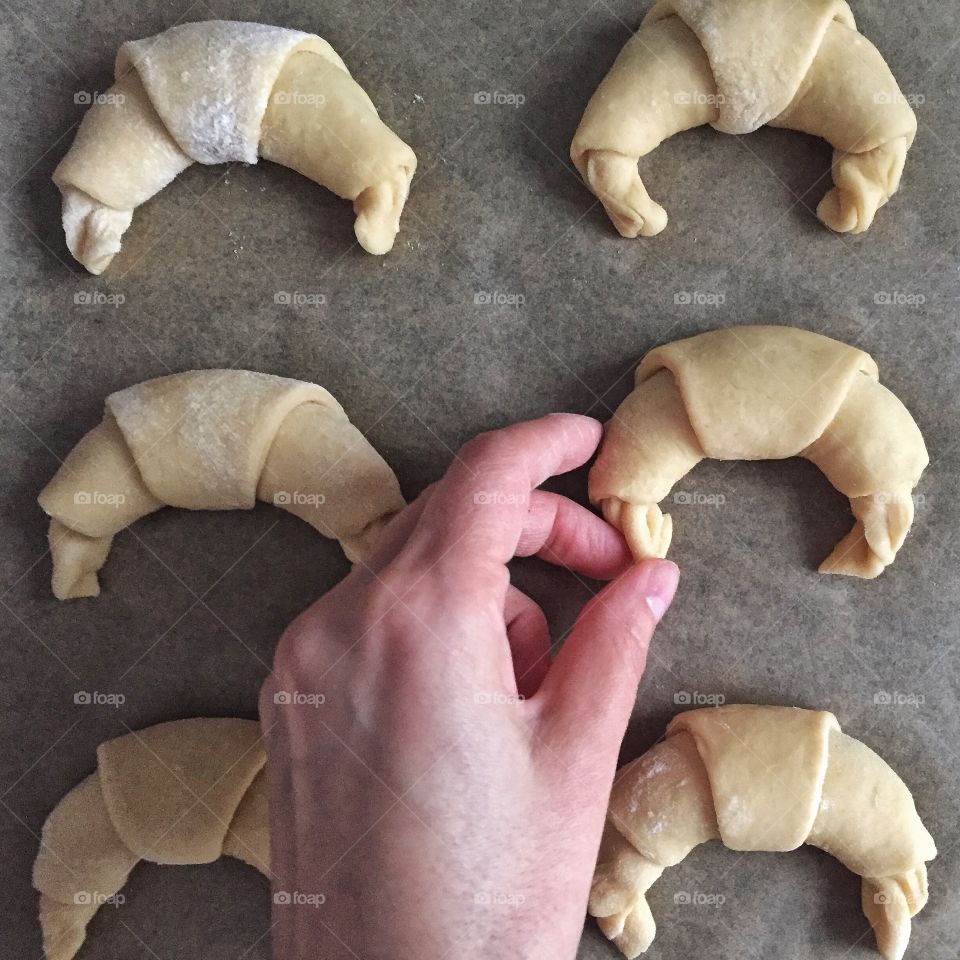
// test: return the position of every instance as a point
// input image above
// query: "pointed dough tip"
(378, 210)
(92, 229)
(76, 560)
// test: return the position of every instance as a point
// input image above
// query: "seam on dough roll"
(754, 761)
(758, 60)
(215, 440)
(763, 393)
(212, 121)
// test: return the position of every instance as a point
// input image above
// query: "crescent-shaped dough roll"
(220, 91)
(763, 393)
(761, 778)
(214, 440)
(737, 65)
(183, 792)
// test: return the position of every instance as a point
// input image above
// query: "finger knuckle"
(482, 445)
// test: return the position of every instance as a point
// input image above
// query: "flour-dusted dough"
(761, 778)
(214, 440)
(183, 792)
(763, 393)
(737, 65)
(758, 778)
(220, 91)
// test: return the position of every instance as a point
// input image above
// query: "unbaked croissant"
(176, 793)
(737, 65)
(221, 91)
(761, 778)
(763, 393)
(214, 440)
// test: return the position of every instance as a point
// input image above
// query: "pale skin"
(446, 798)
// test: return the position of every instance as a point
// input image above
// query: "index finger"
(477, 511)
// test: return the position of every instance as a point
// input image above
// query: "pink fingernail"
(659, 586)
(658, 607)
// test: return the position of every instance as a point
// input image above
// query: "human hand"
(437, 786)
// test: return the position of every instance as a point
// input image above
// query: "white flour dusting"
(211, 82)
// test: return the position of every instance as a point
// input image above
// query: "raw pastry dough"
(176, 793)
(221, 91)
(761, 778)
(763, 393)
(737, 65)
(214, 440)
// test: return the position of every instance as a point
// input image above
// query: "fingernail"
(659, 586)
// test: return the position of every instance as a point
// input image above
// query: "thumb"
(590, 690)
